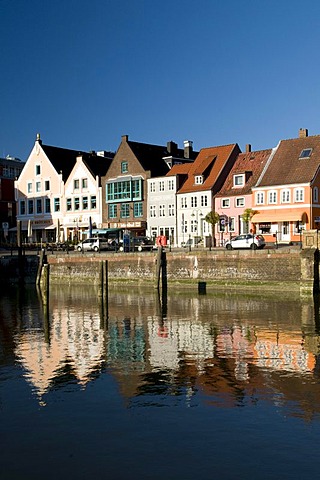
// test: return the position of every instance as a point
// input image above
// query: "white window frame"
(285, 196)
(240, 202)
(225, 202)
(198, 179)
(272, 197)
(299, 195)
(259, 198)
(238, 180)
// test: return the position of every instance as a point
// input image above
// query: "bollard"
(202, 288)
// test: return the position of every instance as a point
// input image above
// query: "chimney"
(248, 148)
(188, 148)
(303, 133)
(124, 138)
(172, 147)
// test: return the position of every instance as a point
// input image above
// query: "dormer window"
(238, 180)
(199, 179)
(306, 153)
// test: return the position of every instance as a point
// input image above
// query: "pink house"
(236, 194)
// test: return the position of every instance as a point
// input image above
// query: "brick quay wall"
(267, 270)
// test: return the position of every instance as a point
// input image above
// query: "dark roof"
(151, 157)
(250, 163)
(63, 160)
(286, 166)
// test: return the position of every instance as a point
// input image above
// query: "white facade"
(82, 200)
(162, 209)
(36, 191)
(192, 208)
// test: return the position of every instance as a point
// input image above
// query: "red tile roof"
(210, 163)
(251, 163)
(286, 167)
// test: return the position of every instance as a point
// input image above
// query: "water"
(199, 387)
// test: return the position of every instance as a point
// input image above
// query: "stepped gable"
(249, 163)
(290, 165)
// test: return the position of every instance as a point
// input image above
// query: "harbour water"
(216, 386)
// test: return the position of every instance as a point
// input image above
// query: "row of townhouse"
(164, 190)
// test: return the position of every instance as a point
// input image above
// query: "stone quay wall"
(266, 269)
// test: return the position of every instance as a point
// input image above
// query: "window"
(204, 201)
(69, 205)
(272, 196)
(136, 190)
(47, 185)
(240, 202)
(84, 183)
(225, 203)
(38, 187)
(171, 210)
(112, 211)
(76, 184)
(76, 203)
(30, 207)
(152, 211)
(171, 185)
(299, 195)
(29, 187)
(152, 187)
(47, 207)
(306, 153)
(162, 210)
(194, 202)
(315, 194)
(38, 170)
(193, 226)
(22, 207)
(93, 202)
(161, 186)
(137, 209)
(124, 167)
(238, 180)
(260, 198)
(85, 203)
(39, 205)
(56, 204)
(125, 210)
(124, 190)
(285, 196)
(198, 179)
(232, 224)
(183, 202)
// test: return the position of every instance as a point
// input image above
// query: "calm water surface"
(192, 387)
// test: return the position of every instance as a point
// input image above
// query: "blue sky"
(83, 73)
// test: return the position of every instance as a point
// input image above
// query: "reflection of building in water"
(174, 338)
(282, 351)
(76, 346)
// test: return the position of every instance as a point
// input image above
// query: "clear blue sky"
(83, 73)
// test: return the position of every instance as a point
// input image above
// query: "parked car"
(93, 244)
(246, 241)
(138, 243)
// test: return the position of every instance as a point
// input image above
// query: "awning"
(282, 216)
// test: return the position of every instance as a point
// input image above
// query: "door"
(285, 232)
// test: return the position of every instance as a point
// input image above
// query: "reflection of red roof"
(210, 163)
(250, 163)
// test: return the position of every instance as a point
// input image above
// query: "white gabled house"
(46, 213)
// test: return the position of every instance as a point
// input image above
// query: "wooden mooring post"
(161, 270)
(104, 290)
